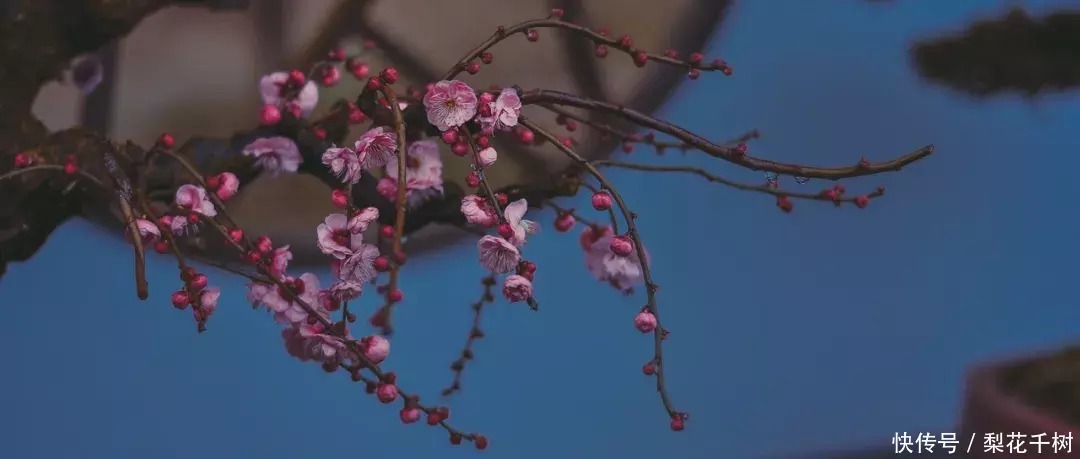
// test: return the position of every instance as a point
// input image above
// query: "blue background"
(821, 329)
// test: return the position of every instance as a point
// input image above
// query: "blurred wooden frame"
(192, 72)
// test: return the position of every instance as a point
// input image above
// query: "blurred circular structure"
(193, 72)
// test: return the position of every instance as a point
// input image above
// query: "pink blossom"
(319, 345)
(423, 174)
(477, 211)
(285, 309)
(645, 322)
(360, 265)
(409, 415)
(517, 288)
(375, 348)
(334, 237)
(228, 185)
(275, 154)
(346, 163)
(194, 198)
(149, 232)
(346, 290)
(360, 222)
(502, 113)
(276, 89)
(498, 254)
(295, 344)
(181, 226)
(622, 245)
(450, 104)
(514, 214)
(377, 147)
(256, 292)
(623, 273)
(386, 393)
(208, 300)
(388, 188)
(487, 157)
(279, 260)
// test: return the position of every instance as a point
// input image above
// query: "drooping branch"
(458, 366)
(650, 287)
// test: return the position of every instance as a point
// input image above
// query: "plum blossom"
(360, 222)
(375, 348)
(517, 288)
(498, 254)
(286, 309)
(450, 104)
(478, 211)
(423, 174)
(227, 185)
(409, 415)
(501, 113)
(386, 393)
(360, 265)
(149, 232)
(275, 154)
(623, 273)
(334, 237)
(346, 290)
(278, 89)
(345, 162)
(194, 198)
(645, 321)
(208, 300)
(279, 260)
(319, 345)
(514, 214)
(377, 147)
(256, 292)
(487, 157)
(295, 344)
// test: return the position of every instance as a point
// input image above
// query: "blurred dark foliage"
(1013, 54)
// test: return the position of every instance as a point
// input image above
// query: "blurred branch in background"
(1012, 54)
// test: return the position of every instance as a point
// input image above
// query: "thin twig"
(598, 38)
(458, 366)
(560, 209)
(400, 208)
(767, 189)
(730, 154)
(647, 139)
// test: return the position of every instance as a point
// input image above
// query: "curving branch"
(733, 155)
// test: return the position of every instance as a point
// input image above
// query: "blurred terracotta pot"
(990, 407)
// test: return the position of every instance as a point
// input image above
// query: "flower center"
(341, 236)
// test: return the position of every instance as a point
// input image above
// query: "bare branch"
(729, 154)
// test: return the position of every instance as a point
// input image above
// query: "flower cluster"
(316, 316)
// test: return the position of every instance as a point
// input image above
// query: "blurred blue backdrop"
(821, 329)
